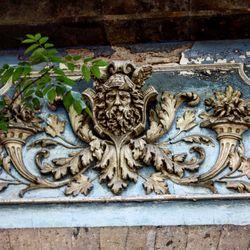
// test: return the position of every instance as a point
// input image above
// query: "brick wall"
(133, 238)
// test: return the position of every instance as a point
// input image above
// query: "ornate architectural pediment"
(137, 134)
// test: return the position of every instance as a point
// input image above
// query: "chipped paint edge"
(159, 68)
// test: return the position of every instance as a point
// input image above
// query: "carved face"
(117, 97)
(120, 110)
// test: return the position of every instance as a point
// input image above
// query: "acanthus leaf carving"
(156, 183)
(119, 143)
(80, 185)
(187, 121)
(200, 139)
(239, 186)
(54, 126)
(245, 167)
(6, 163)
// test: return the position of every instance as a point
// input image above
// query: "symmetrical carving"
(121, 139)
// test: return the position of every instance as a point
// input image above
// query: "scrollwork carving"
(120, 142)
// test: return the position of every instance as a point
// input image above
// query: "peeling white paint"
(62, 66)
(184, 73)
(208, 72)
(184, 60)
(208, 58)
(198, 60)
(221, 61)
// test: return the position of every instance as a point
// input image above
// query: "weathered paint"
(145, 213)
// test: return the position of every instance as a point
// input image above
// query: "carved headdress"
(119, 73)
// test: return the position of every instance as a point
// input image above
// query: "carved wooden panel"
(180, 135)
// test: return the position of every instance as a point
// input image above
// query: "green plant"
(51, 82)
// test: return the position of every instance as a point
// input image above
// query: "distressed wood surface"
(78, 22)
(225, 237)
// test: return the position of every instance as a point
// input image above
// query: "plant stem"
(33, 82)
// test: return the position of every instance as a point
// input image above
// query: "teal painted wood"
(92, 214)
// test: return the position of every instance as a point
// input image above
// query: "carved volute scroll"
(124, 135)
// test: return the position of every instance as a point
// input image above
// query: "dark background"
(112, 22)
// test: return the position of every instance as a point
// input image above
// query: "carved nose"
(117, 100)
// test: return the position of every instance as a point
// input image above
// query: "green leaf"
(95, 71)
(76, 58)
(67, 88)
(23, 64)
(69, 57)
(76, 95)
(87, 59)
(6, 66)
(88, 111)
(100, 63)
(3, 125)
(37, 36)
(58, 71)
(44, 71)
(30, 36)
(46, 78)
(68, 100)
(86, 72)
(79, 106)
(29, 93)
(51, 95)
(60, 90)
(48, 45)
(26, 71)
(55, 59)
(52, 51)
(1, 71)
(70, 66)
(7, 74)
(43, 40)
(45, 91)
(17, 73)
(40, 83)
(39, 93)
(65, 80)
(28, 41)
(25, 82)
(39, 51)
(2, 104)
(32, 47)
(38, 56)
(36, 103)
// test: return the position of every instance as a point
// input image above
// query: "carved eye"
(123, 97)
(110, 98)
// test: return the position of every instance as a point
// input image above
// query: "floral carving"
(228, 106)
(18, 113)
(121, 139)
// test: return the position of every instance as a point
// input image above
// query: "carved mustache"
(116, 111)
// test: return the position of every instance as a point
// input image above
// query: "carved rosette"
(120, 142)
